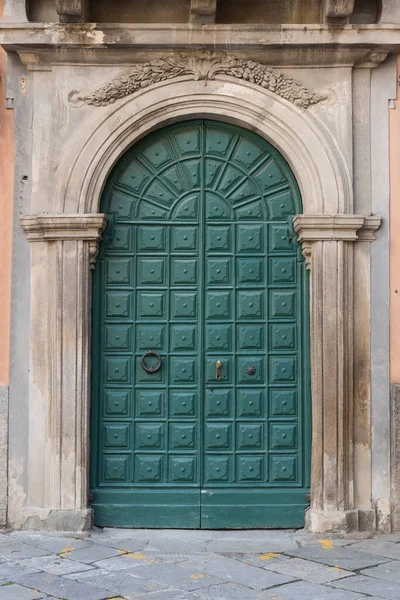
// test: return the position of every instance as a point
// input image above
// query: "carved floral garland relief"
(201, 67)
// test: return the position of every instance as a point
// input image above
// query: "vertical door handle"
(219, 367)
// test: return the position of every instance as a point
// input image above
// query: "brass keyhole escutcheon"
(219, 367)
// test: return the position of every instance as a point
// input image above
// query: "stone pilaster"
(328, 248)
(63, 248)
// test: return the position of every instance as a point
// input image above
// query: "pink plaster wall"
(395, 240)
(6, 196)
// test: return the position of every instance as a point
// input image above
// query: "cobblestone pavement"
(198, 565)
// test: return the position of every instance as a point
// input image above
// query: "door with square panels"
(200, 349)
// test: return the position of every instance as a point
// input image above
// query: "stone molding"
(55, 227)
(300, 136)
(345, 228)
(203, 66)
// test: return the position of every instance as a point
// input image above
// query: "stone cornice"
(216, 37)
(52, 228)
(347, 228)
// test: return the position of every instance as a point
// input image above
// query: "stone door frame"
(64, 247)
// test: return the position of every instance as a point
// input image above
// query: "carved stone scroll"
(205, 67)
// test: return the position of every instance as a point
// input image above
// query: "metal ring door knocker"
(151, 370)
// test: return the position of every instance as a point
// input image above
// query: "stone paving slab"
(262, 561)
(388, 590)
(312, 591)
(262, 545)
(11, 571)
(60, 587)
(52, 543)
(17, 551)
(235, 571)
(55, 565)
(343, 557)
(17, 592)
(308, 571)
(230, 591)
(379, 547)
(93, 553)
(123, 583)
(129, 560)
(187, 579)
(388, 571)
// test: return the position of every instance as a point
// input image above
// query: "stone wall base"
(363, 520)
(3, 454)
(65, 521)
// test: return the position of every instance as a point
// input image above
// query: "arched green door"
(199, 266)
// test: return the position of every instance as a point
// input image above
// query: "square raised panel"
(250, 369)
(219, 239)
(182, 436)
(150, 304)
(184, 238)
(283, 436)
(283, 402)
(116, 468)
(218, 469)
(218, 271)
(283, 269)
(118, 304)
(250, 436)
(117, 370)
(250, 270)
(218, 337)
(117, 403)
(150, 337)
(182, 469)
(118, 271)
(149, 436)
(250, 468)
(218, 403)
(116, 435)
(120, 240)
(148, 468)
(118, 337)
(182, 404)
(183, 370)
(184, 271)
(282, 369)
(282, 304)
(250, 305)
(219, 305)
(183, 337)
(183, 305)
(250, 238)
(283, 468)
(151, 238)
(279, 239)
(218, 436)
(283, 336)
(151, 271)
(250, 337)
(149, 403)
(250, 403)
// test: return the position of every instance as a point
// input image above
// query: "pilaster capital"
(61, 227)
(340, 228)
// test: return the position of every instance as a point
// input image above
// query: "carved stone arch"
(310, 149)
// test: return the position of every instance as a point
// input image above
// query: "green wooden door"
(199, 265)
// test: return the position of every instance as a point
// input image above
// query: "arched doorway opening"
(199, 267)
